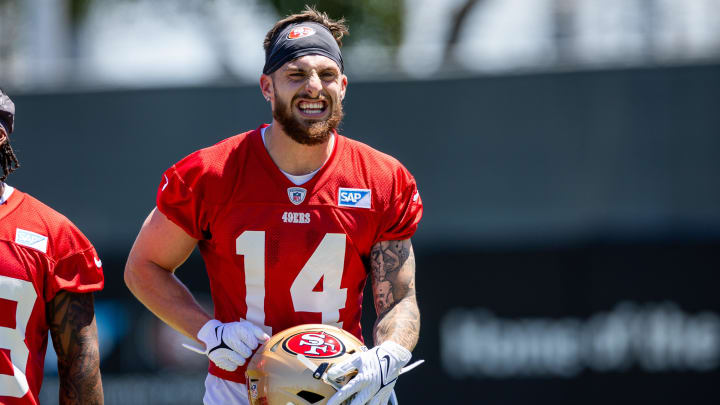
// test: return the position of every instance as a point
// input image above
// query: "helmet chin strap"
(411, 366)
(193, 349)
(319, 372)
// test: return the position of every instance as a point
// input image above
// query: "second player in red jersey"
(48, 270)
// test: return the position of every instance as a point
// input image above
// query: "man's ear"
(266, 87)
(3, 136)
(343, 86)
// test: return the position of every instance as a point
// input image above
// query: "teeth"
(314, 106)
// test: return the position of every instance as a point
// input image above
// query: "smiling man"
(290, 218)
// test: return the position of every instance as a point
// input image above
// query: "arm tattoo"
(71, 317)
(393, 272)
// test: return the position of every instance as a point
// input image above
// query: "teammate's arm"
(71, 317)
(393, 285)
(160, 247)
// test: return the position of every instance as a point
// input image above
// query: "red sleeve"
(180, 198)
(400, 219)
(79, 272)
(77, 267)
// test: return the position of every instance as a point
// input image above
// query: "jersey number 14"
(327, 262)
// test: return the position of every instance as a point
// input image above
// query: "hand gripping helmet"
(291, 367)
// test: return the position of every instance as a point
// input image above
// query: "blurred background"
(566, 151)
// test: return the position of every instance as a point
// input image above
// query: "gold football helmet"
(291, 367)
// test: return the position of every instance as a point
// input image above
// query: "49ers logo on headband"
(300, 32)
(317, 345)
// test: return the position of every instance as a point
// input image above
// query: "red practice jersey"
(282, 255)
(41, 253)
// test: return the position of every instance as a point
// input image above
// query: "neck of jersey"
(303, 178)
(6, 192)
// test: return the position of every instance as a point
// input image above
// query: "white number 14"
(326, 263)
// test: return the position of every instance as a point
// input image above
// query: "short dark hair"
(337, 28)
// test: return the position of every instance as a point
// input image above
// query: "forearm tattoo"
(71, 317)
(393, 272)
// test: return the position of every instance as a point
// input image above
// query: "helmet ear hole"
(311, 397)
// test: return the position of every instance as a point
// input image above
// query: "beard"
(307, 131)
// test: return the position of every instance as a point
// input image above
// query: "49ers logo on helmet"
(315, 345)
(300, 32)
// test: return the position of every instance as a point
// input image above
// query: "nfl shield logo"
(297, 195)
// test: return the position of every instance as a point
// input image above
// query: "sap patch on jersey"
(354, 197)
(31, 239)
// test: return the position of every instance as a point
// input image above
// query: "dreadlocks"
(8, 160)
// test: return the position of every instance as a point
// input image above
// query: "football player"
(48, 271)
(290, 219)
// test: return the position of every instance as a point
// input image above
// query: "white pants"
(224, 392)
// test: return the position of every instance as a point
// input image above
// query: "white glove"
(378, 370)
(229, 345)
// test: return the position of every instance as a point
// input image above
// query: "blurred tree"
(459, 18)
(77, 10)
(374, 21)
